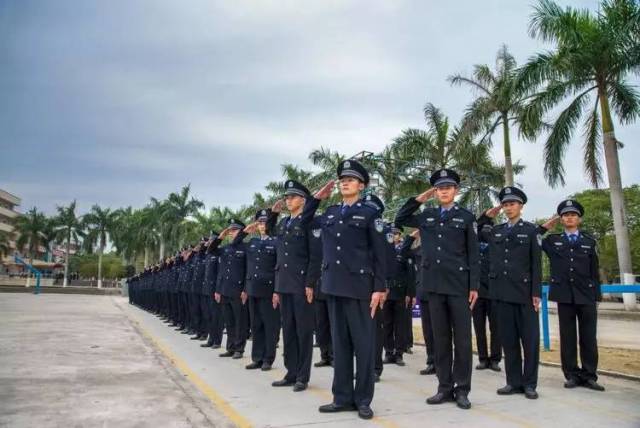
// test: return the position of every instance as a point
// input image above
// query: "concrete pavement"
(228, 392)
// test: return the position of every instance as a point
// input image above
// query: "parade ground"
(96, 361)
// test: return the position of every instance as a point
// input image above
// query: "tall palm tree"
(592, 55)
(179, 207)
(498, 103)
(67, 228)
(124, 236)
(32, 230)
(99, 224)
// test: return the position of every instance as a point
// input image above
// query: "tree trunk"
(508, 166)
(617, 196)
(65, 281)
(146, 257)
(100, 267)
(161, 247)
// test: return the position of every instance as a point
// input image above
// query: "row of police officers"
(352, 278)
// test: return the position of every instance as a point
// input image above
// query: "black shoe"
(389, 360)
(376, 377)
(322, 363)
(206, 345)
(571, 383)
(429, 370)
(530, 393)
(335, 408)
(195, 338)
(183, 331)
(203, 337)
(592, 384)
(299, 386)
(237, 355)
(462, 401)
(283, 382)
(509, 390)
(495, 366)
(215, 346)
(365, 412)
(483, 365)
(226, 354)
(266, 367)
(400, 362)
(253, 366)
(440, 398)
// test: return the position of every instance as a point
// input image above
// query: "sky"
(112, 102)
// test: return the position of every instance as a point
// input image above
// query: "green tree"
(592, 55)
(99, 224)
(497, 105)
(179, 207)
(32, 229)
(67, 228)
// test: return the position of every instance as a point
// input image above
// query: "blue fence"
(609, 288)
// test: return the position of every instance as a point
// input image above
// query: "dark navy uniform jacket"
(353, 252)
(261, 266)
(315, 267)
(211, 267)
(575, 274)
(294, 254)
(200, 268)
(516, 264)
(485, 225)
(449, 248)
(402, 283)
(232, 268)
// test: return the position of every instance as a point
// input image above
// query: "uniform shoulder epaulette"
(465, 211)
(587, 235)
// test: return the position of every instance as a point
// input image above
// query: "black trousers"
(264, 328)
(519, 326)
(409, 327)
(205, 315)
(235, 320)
(378, 325)
(451, 318)
(395, 327)
(486, 309)
(297, 330)
(427, 331)
(323, 329)
(352, 331)
(216, 322)
(194, 306)
(587, 318)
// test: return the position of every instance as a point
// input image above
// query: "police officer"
(399, 295)
(450, 273)
(230, 291)
(575, 286)
(199, 266)
(215, 322)
(353, 278)
(322, 326)
(425, 316)
(260, 282)
(486, 308)
(294, 290)
(515, 282)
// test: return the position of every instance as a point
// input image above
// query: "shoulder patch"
(316, 233)
(539, 238)
(379, 225)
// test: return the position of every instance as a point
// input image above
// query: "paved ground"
(51, 376)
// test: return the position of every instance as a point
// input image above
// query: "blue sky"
(114, 102)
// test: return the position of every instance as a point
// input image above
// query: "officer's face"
(233, 233)
(570, 220)
(397, 237)
(294, 202)
(446, 194)
(350, 186)
(512, 209)
(262, 228)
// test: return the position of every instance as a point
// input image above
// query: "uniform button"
(571, 250)
(438, 248)
(461, 268)
(285, 265)
(506, 261)
(439, 236)
(255, 275)
(286, 254)
(437, 261)
(340, 222)
(506, 250)
(571, 280)
(507, 239)
(338, 248)
(505, 272)
(337, 262)
(572, 259)
(361, 270)
(338, 234)
(441, 224)
(570, 269)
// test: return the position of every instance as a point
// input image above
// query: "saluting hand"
(415, 234)
(224, 234)
(551, 223)
(251, 228)
(376, 300)
(277, 207)
(426, 195)
(493, 212)
(326, 190)
(473, 296)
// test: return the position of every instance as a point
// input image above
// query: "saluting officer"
(230, 291)
(294, 287)
(215, 323)
(575, 286)
(515, 282)
(260, 282)
(486, 308)
(353, 278)
(450, 273)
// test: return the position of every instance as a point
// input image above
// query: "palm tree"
(99, 224)
(67, 227)
(123, 234)
(592, 56)
(498, 103)
(179, 207)
(32, 228)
